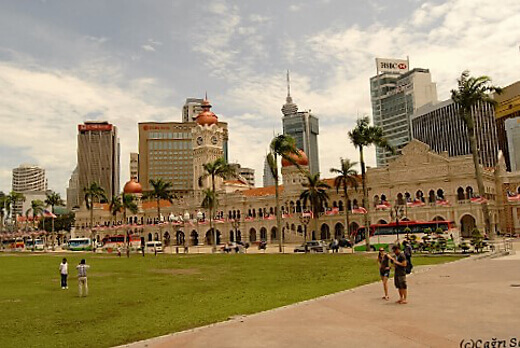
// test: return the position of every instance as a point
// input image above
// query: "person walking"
(64, 273)
(82, 278)
(399, 262)
(384, 270)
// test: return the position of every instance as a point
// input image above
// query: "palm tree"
(316, 193)
(92, 193)
(347, 177)
(471, 92)
(210, 202)
(53, 199)
(37, 208)
(3, 213)
(115, 206)
(217, 169)
(364, 135)
(12, 199)
(161, 190)
(283, 146)
(128, 202)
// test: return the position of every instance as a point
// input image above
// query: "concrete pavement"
(468, 299)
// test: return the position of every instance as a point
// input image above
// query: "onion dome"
(133, 187)
(206, 116)
(301, 160)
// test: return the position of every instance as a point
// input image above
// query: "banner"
(392, 65)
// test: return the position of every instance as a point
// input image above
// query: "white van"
(154, 246)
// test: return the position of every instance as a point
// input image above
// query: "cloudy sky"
(126, 61)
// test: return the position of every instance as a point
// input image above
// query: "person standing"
(384, 270)
(64, 273)
(400, 273)
(408, 254)
(82, 278)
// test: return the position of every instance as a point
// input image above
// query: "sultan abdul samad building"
(431, 186)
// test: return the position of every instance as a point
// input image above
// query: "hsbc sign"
(391, 65)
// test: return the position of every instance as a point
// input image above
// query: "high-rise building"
(441, 127)
(98, 157)
(192, 107)
(134, 166)
(512, 128)
(166, 151)
(395, 94)
(268, 176)
(303, 127)
(28, 178)
(247, 174)
(508, 107)
(73, 192)
(30, 181)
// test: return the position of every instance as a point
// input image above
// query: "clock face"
(214, 140)
(199, 140)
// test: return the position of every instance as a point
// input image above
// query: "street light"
(304, 220)
(236, 224)
(200, 216)
(397, 213)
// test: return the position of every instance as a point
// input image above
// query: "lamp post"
(236, 224)
(304, 220)
(397, 213)
(200, 216)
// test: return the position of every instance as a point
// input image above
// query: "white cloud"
(148, 48)
(44, 107)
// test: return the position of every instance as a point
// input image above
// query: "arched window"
(400, 199)
(460, 194)
(440, 194)
(340, 206)
(383, 198)
(298, 207)
(431, 196)
(419, 195)
(408, 196)
(469, 192)
(291, 206)
(376, 200)
(334, 204)
(355, 204)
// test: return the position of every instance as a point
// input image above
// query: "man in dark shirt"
(400, 273)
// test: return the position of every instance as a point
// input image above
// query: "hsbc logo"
(393, 66)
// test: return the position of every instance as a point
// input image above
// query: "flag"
(47, 214)
(416, 203)
(442, 202)
(478, 200)
(333, 211)
(359, 210)
(249, 218)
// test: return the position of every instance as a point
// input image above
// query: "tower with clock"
(208, 141)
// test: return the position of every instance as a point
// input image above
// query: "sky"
(128, 61)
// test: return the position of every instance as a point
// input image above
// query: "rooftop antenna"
(206, 95)
(288, 84)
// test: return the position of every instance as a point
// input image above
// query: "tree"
(53, 199)
(128, 202)
(347, 177)
(471, 92)
(216, 169)
(3, 213)
(210, 202)
(12, 199)
(37, 208)
(316, 193)
(364, 135)
(92, 193)
(283, 146)
(115, 206)
(161, 190)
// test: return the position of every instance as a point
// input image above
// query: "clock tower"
(208, 141)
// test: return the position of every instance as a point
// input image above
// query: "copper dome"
(206, 116)
(133, 187)
(301, 160)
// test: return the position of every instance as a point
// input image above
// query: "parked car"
(312, 246)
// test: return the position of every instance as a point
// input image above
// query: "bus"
(38, 244)
(79, 244)
(19, 244)
(110, 243)
(392, 228)
(9, 243)
(154, 246)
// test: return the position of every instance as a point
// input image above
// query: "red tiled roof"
(262, 191)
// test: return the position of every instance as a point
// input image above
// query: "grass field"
(137, 298)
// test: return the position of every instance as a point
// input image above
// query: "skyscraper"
(441, 127)
(396, 93)
(134, 166)
(247, 174)
(192, 107)
(303, 127)
(98, 157)
(73, 191)
(268, 176)
(31, 182)
(512, 128)
(508, 107)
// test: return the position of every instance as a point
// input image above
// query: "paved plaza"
(468, 299)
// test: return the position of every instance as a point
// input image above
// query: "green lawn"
(137, 298)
